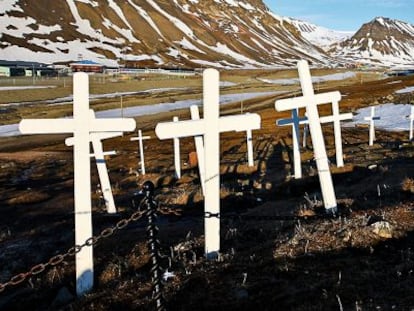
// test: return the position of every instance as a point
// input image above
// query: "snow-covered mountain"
(185, 33)
(382, 41)
(320, 36)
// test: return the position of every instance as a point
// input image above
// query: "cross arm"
(93, 136)
(300, 102)
(46, 126)
(341, 117)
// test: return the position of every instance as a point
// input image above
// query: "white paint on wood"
(372, 118)
(140, 139)
(99, 155)
(210, 127)
(177, 154)
(81, 126)
(294, 121)
(311, 101)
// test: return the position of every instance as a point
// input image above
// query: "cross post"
(140, 139)
(311, 101)
(210, 127)
(81, 126)
(371, 120)
(411, 117)
(177, 156)
(294, 120)
(99, 155)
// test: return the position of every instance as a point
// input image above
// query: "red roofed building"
(86, 66)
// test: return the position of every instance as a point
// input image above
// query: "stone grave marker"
(81, 126)
(210, 128)
(310, 101)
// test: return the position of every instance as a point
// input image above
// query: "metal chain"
(55, 260)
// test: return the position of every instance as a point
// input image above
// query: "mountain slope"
(188, 33)
(382, 41)
(320, 36)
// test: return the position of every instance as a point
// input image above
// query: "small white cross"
(336, 118)
(294, 121)
(99, 155)
(411, 117)
(198, 141)
(371, 120)
(210, 127)
(140, 139)
(177, 156)
(311, 101)
(81, 126)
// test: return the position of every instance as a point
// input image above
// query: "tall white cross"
(81, 126)
(140, 139)
(210, 127)
(411, 117)
(99, 155)
(294, 120)
(371, 120)
(311, 101)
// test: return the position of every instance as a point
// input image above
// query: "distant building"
(4, 71)
(86, 66)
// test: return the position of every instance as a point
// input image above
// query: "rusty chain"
(57, 259)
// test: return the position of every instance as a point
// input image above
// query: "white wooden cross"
(99, 155)
(140, 139)
(210, 127)
(81, 126)
(294, 120)
(177, 156)
(311, 101)
(336, 118)
(411, 117)
(371, 120)
(198, 141)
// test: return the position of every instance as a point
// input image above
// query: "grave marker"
(210, 127)
(81, 125)
(177, 157)
(198, 141)
(140, 139)
(311, 101)
(336, 118)
(411, 117)
(99, 155)
(371, 120)
(294, 120)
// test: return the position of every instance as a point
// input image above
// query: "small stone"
(383, 229)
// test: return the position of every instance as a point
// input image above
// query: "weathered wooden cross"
(294, 120)
(82, 126)
(198, 141)
(210, 128)
(371, 120)
(99, 155)
(140, 139)
(336, 118)
(311, 102)
(177, 156)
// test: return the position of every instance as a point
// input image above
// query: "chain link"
(57, 259)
